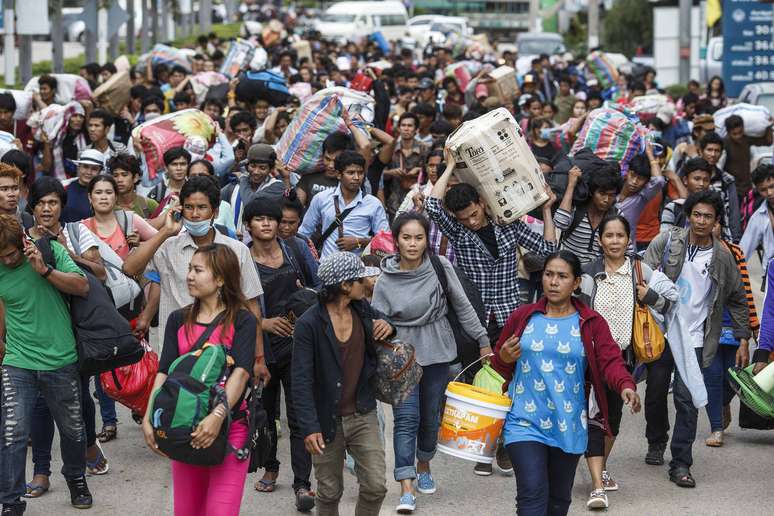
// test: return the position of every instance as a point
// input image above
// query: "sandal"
(682, 477)
(265, 486)
(109, 432)
(98, 466)
(35, 490)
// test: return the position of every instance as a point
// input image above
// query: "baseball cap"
(91, 157)
(705, 121)
(343, 266)
(426, 84)
(262, 153)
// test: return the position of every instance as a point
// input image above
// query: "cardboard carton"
(503, 84)
(492, 155)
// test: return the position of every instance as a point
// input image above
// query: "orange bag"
(647, 339)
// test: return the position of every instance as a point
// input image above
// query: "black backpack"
(103, 336)
(467, 347)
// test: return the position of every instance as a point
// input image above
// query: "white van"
(352, 20)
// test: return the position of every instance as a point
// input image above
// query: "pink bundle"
(69, 87)
(611, 135)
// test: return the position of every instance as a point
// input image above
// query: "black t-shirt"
(487, 236)
(547, 151)
(315, 183)
(278, 284)
(242, 346)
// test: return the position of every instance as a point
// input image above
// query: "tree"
(628, 26)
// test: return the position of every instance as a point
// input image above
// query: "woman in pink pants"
(213, 282)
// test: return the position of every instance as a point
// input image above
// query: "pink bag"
(612, 134)
(381, 245)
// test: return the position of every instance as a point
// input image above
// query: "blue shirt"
(366, 219)
(549, 401)
(78, 206)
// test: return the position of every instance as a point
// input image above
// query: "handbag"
(260, 438)
(132, 385)
(397, 372)
(647, 339)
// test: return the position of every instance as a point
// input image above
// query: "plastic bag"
(238, 58)
(489, 379)
(23, 101)
(602, 69)
(203, 81)
(172, 130)
(611, 134)
(69, 87)
(756, 119)
(132, 385)
(381, 245)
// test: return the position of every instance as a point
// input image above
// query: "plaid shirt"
(497, 279)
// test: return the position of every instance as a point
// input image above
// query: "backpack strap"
(577, 218)
(202, 340)
(295, 260)
(125, 221)
(442, 279)
(665, 254)
(44, 246)
(74, 233)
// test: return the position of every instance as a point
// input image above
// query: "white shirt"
(614, 299)
(694, 286)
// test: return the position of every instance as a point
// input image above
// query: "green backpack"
(187, 396)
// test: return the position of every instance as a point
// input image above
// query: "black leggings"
(597, 434)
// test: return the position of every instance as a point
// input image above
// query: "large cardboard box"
(503, 84)
(492, 155)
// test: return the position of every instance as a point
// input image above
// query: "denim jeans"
(107, 405)
(719, 391)
(42, 433)
(300, 460)
(359, 435)
(61, 389)
(657, 398)
(544, 478)
(416, 421)
(686, 418)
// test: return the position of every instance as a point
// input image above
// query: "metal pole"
(102, 37)
(205, 16)
(144, 28)
(57, 37)
(534, 9)
(9, 44)
(685, 41)
(594, 24)
(130, 28)
(154, 21)
(90, 50)
(25, 58)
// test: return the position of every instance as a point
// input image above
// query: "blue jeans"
(415, 432)
(686, 419)
(107, 405)
(544, 478)
(42, 433)
(61, 389)
(719, 391)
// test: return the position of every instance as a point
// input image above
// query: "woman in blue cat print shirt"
(550, 349)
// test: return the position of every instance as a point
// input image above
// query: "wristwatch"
(48, 272)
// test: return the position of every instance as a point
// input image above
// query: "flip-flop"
(267, 486)
(100, 464)
(35, 490)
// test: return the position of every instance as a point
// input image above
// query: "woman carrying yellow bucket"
(550, 352)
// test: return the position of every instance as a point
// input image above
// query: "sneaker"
(715, 440)
(425, 483)
(14, 510)
(726, 416)
(503, 460)
(655, 455)
(407, 504)
(608, 483)
(304, 500)
(80, 496)
(597, 500)
(483, 469)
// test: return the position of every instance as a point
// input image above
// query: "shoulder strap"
(44, 246)
(124, 219)
(442, 279)
(74, 232)
(291, 252)
(639, 278)
(577, 218)
(666, 252)
(208, 331)
(338, 221)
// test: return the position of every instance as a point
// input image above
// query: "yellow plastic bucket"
(472, 421)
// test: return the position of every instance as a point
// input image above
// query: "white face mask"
(151, 116)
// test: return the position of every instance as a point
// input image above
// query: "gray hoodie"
(415, 303)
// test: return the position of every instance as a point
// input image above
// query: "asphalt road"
(737, 479)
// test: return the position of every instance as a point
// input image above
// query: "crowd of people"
(225, 239)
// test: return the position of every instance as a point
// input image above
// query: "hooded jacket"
(415, 303)
(605, 364)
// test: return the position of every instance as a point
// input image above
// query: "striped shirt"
(582, 241)
(741, 264)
